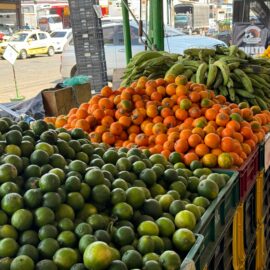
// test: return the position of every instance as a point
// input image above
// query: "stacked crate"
(88, 42)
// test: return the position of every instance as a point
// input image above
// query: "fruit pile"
(266, 53)
(67, 203)
(228, 71)
(171, 114)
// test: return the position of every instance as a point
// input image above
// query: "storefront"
(9, 12)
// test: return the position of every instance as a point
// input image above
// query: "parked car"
(5, 32)
(60, 38)
(30, 43)
(175, 42)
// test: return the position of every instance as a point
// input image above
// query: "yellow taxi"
(30, 43)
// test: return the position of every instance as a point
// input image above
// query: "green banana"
(200, 74)
(261, 103)
(196, 52)
(193, 78)
(187, 62)
(223, 90)
(188, 73)
(231, 94)
(259, 80)
(244, 93)
(244, 79)
(219, 80)
(225, 71)
(233, 50)
(146, 56)
(176, 69)
(259, 92)
(212, 74)
(233, 65)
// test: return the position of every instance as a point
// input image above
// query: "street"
(33, 75)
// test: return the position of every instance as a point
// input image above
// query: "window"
(119, 36)
(42, 36)
(33, 37)
(60, 34)
(28, 9)
(108, 35)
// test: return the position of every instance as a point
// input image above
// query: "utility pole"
(126, 30)
(19, 13)
(158, 28)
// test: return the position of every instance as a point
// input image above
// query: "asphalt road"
(33, 75)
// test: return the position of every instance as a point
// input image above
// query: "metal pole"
(18, 97)
(126, 30)
(158, 30)
(150, 31)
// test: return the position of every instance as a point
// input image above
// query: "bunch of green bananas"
(152, 64)
(231, 73)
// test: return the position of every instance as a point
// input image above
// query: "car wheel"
(23, 54)
(74, 72)
(51, 51)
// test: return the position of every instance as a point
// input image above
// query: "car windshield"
(59, 34)
(19, 37)
(171, 32)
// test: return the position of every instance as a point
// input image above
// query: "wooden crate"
(60, 101)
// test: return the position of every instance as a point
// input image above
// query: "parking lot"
(33, 75)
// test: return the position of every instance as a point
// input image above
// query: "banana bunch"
(152, 64)
(228, 71)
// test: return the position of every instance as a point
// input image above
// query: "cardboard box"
(60, 101)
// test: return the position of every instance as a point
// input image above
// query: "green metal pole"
(126, 30)
(158, 30)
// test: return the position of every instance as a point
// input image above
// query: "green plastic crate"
(195, 254)
(215, 219)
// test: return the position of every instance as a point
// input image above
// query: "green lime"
(65, 258)
(75, 200)
(67, 239)
(176, 206)
(57, 161)
(148, 228)
(97, 221)
(166, 226)
(5, 263)
(123, 211)
(22, 219)
(146, 244)
(43, 216)
(51, 200)
(39, 157)
(30, 251)
(97, 255)
(208, 188)
(124, 236)
(148, 176)
(118, 195)
(175, 157)
(120, 183)
(46, 265)
(29, 237)
(117, 265)
(65, 224)
(138, 167)
(183, 239)
(64, 211)
(8, 187)
(33, 198)
(101, 194)
(185, 219)
(135, 197)
(152, 208)
(94, 177)
(194, 209)
(49, 182)
(8, 172)
(73, 183)
(132, 259)
(47, 231)
(152, 256)
(165, 201)
(85, 241)
(12, 202)
(83, 229)
(3, 218)
(8, 231)
(170, 260)
(48, 247)
(22, 262)
(156, 190)
(8, 247)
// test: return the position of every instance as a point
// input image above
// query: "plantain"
(259, 92)
(212, 74)
(237, 99)
(259, 80)
(197, 52)
(255, 83)
(146, 56)
(193, 78)
(244, 93)
(233, 50)
(223, 90)
(219, 80)
(188, 73)
(200, 74)
(225, 71)
(187, 62)
(261, 103)
(176, 69)
(231, 94)
(244, 79)
(233, 65)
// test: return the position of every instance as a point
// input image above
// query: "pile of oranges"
(171, 114)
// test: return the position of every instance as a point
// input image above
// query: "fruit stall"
(169, 171)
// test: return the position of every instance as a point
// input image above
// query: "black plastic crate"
(250, 263)
(223, 256)
(250, 218)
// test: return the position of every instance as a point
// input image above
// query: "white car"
(30, 43)
(60, 38)
(174, 41)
